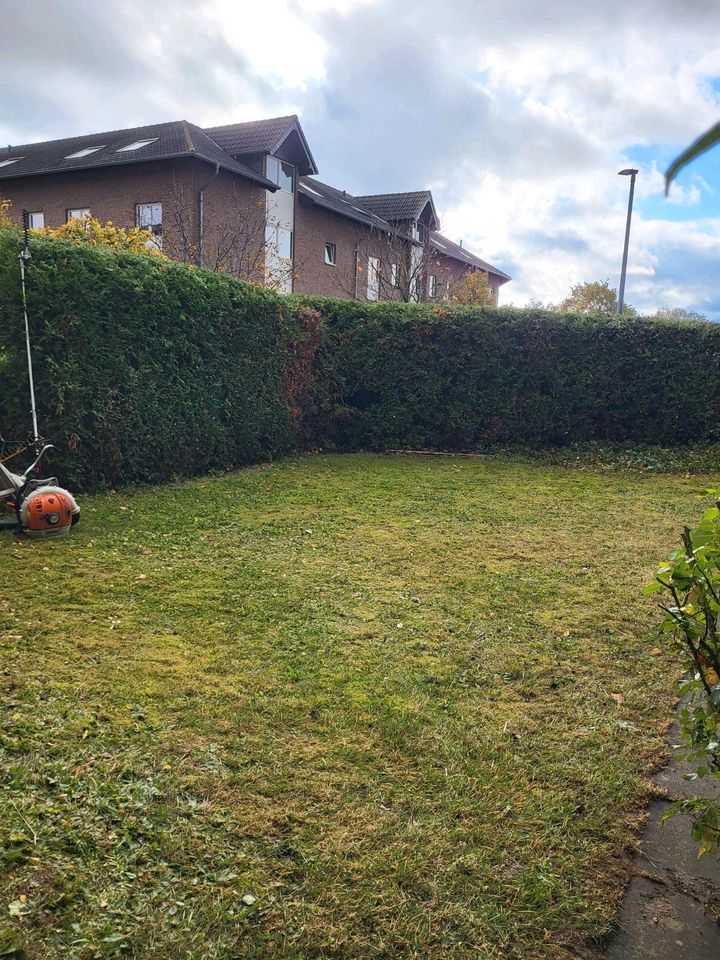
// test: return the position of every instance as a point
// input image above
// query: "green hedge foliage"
(399, 375)
(147, 370)
(144, 369)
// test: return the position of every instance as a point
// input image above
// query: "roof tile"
(175, 139)
(260, 136)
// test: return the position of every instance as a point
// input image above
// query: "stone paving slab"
(672, 904)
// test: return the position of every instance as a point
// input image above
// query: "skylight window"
(84, 153)
(136, 145)
(6, 163)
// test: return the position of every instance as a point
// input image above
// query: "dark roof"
(322, 195)
(447, 248)
(399, 206)
(261, 136)
(175, 139)
(357, 208)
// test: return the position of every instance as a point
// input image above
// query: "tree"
(242, 242)
(405, 265)
(594, 297)
(678, 313)
(473, 289)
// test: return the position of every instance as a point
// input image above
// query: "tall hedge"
(393, 375)
(144, 369)
(147, 370)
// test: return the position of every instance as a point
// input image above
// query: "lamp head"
(628, 172)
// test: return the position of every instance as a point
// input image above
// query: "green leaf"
(18, 908)
(10, 946)
(653, 588)
(703, 143)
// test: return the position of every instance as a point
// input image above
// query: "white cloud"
(517, 114)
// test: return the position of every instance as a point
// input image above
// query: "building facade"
(243, 199)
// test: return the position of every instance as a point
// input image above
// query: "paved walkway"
(672, 904)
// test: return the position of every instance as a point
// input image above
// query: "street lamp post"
(621, 296)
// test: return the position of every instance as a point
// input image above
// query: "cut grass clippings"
(335, 707)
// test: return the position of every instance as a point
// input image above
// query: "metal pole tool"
(24, 257)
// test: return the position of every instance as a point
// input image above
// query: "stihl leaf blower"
(40, 507)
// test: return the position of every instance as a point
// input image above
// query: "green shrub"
(689, 582)
(396, 375)
(148, 369)
(144, 369)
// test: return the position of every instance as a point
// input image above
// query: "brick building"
(243, 198)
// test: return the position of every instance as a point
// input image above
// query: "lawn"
(334, 707)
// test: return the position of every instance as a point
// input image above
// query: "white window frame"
(393, 275)
(78, 213)
(331, 254)
(85, 152)
(136, 145)
(154, 223)
(432, 285)
(285, 231)
(36, 219)
(373, 284)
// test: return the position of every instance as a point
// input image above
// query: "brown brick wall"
(314, 227)
(234, 206)
(234, 223)
(110, 194)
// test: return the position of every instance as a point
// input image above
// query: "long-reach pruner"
(24, 257)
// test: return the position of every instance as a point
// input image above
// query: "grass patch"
(336, 707)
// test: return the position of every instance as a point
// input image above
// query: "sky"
(517, 114)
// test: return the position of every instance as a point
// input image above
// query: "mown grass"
(335, 707)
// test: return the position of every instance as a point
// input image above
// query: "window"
(280, 239)
(418, 231)
(432, 285)
(148, 216)
(330, 254)
(36, 221)
(78, 213)
(393, 275)
(84, 153)
(281, 173)
(136, 145)
(6, 163)
(373, 289)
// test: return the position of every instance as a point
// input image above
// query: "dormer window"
(281, 173)
(418, 231)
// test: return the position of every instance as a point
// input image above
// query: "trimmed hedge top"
(147, 370)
